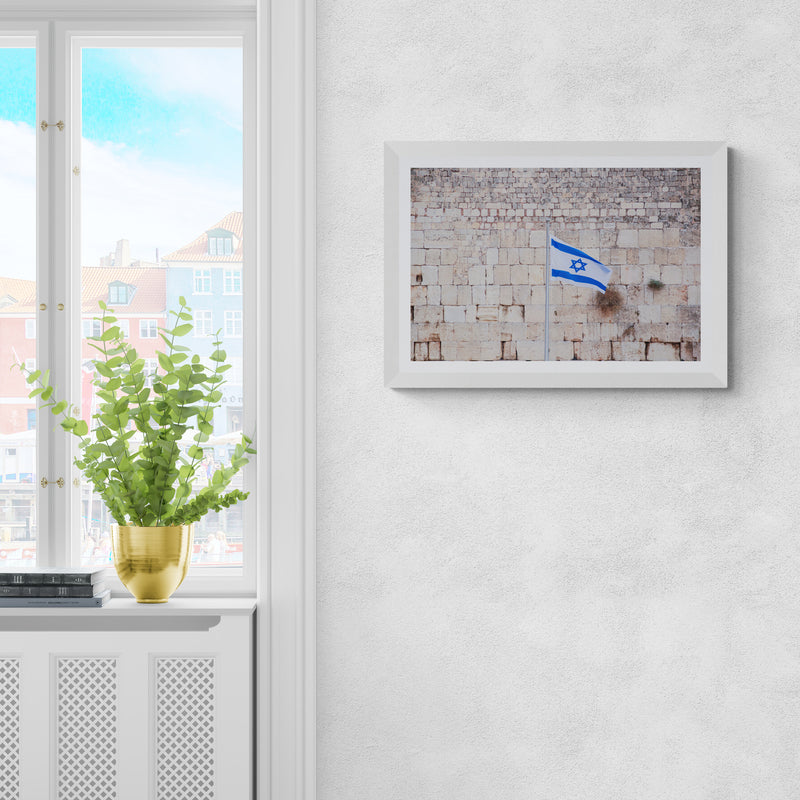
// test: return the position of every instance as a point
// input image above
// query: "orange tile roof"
(23, 293)
(198, 249)
(150, 294)
(150, 283)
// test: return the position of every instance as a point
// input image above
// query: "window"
(148, 329)
(233, 281)
(120, 294)
(91, 328)
(202, 323)
(233, 323)
(155, 189)
(202, 281)
(150, 369)
(30, 364)
(220, 244)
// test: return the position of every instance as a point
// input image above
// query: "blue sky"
(161, 155)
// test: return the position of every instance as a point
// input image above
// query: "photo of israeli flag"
(567, 263)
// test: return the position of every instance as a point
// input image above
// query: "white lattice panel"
(86, 714)
(185, 728)
(9, 729)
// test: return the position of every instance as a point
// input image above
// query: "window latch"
(44, 483)
(45, 125)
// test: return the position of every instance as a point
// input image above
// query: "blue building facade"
(207, 273)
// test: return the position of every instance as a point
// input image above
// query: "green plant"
(150, 482)
(655, 284)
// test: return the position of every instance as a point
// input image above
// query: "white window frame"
(201, 275)
(203, 321)
(90, 328)
(285, 621)
(232, 316)
(145, 328)
(124, 326)
(30, 328)
(232, 276)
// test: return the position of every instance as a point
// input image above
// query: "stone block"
(434, 295)
(649, 313)
(563, 313)
(479, 295)
(672, 275)
(573, 331)
(433, 257)
(631, 275)
(491, 256)
(521, 295)
(417, 258)
(589, 238)
(540, 255)
(525, 255)
(424, 314)
(449, 256)
(628, 351)
(665, 332)
(502, 275)
(492, 295)
(490, 351)
(534, 331)
(628, 238)
(694, 295)
(692, 255)
(537, 274)
(455, 313)
(562, 351)
(477, 276)
(657, 351)
(593, 351)
(689, 315)
(617, 256)
(535, 312)
(672, 237)
(511, 314)
(434, 351)
(446, 275)
(430, 275)
(538, 238)
(690, 351)
(464, 295)
(488, 314)
(651, 237)
(509, 351)
(420, 351)
(449, 296)
(506, 296)
(609, 331)
(417, 238)
(419, 295)
(530, 351)
(449, 351)
(646, 256)
(469, 351)
(520, 275)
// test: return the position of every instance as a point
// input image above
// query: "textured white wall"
(495, 621)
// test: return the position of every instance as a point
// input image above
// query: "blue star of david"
(578, 265)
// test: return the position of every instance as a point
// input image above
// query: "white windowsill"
(128, 607)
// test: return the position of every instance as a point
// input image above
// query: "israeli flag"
(567, 263)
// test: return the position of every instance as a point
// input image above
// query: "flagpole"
(547, 292)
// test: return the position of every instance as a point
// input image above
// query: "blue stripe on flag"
(573, 251)
(560, 273)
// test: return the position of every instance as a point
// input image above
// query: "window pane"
(18, 522)
(161, 166)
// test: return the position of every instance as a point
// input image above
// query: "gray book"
(56, 602)
(54, 576)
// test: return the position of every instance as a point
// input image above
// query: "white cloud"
(124, 196)
(17, 200)
(152, 205)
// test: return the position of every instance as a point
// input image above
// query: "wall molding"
(286, 634)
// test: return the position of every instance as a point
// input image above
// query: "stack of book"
(54, 586)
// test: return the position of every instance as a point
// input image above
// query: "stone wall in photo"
(478, 264)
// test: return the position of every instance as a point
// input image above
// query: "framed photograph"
(556, 264)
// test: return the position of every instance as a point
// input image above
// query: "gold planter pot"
(152, 562)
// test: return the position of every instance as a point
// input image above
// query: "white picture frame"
(710, 368)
